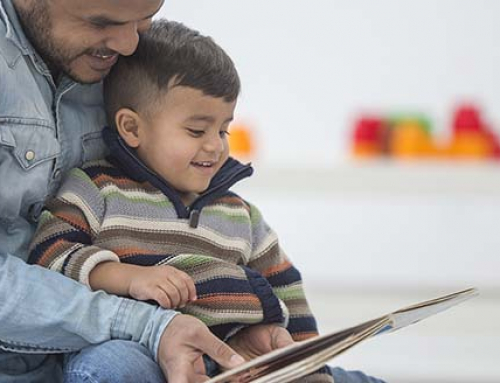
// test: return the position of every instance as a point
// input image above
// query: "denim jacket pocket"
(27, 150)
(31, 142)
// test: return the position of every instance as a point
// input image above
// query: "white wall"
(308, 67)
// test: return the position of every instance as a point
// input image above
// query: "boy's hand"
(170, 287)
(260, 339)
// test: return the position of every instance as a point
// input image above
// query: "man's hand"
(182, 346)
(259, 340)
(170, 287)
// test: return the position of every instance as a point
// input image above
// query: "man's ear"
(128, 124)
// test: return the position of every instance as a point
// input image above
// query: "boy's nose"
(214, 143)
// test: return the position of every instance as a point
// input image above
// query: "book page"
(413, 314)
(300, 359)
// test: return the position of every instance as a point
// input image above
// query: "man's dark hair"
(169, 54)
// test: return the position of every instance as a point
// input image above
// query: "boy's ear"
(128, 124)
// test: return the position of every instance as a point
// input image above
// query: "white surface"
(459, 345)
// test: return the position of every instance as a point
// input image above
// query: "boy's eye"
(224, 133)
(196, 132)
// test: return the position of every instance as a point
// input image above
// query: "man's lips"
(102, 62)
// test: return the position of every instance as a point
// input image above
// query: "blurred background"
(373, 128)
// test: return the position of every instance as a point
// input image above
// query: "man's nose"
(123, 39)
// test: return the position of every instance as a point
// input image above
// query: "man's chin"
(86, 76)
(86, 79)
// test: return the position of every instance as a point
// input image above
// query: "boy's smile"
(184, 138)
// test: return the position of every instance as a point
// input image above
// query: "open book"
(297, 360)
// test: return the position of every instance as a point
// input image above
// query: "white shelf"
(381, 177)
(386, 224)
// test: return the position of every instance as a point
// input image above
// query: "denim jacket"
(45, 130)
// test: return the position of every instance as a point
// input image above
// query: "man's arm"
(45, 312)
(42, 311)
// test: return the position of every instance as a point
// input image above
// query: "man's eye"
(98, 24)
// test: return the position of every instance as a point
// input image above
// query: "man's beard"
(37, 25)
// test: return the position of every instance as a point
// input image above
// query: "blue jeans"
(113, 361)
(123, 362)
(32, 368)
(343, 376)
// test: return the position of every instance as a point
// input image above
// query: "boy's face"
(185, 140)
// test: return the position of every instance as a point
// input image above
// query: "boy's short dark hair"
(169, 54)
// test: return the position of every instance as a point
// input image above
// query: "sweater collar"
(125, 158)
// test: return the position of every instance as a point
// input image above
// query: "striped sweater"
(117, 210)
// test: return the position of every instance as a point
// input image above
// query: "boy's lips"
(205, 166)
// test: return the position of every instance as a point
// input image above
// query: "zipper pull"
(194, 218)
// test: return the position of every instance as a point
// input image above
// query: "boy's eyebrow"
(205, 118)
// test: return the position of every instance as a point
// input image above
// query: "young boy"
(156, 220)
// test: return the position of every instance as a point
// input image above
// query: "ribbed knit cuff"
(270, 303)
(91, 262)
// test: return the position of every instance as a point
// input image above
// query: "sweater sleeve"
(63, 241)
(270, 260)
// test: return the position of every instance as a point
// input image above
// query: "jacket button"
(30, 155)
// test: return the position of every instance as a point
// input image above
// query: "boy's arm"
(63, 241)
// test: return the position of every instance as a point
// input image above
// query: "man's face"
(84, 38)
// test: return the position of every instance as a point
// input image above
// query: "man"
(53, 55)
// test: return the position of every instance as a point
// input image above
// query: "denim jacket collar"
(14, 33)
